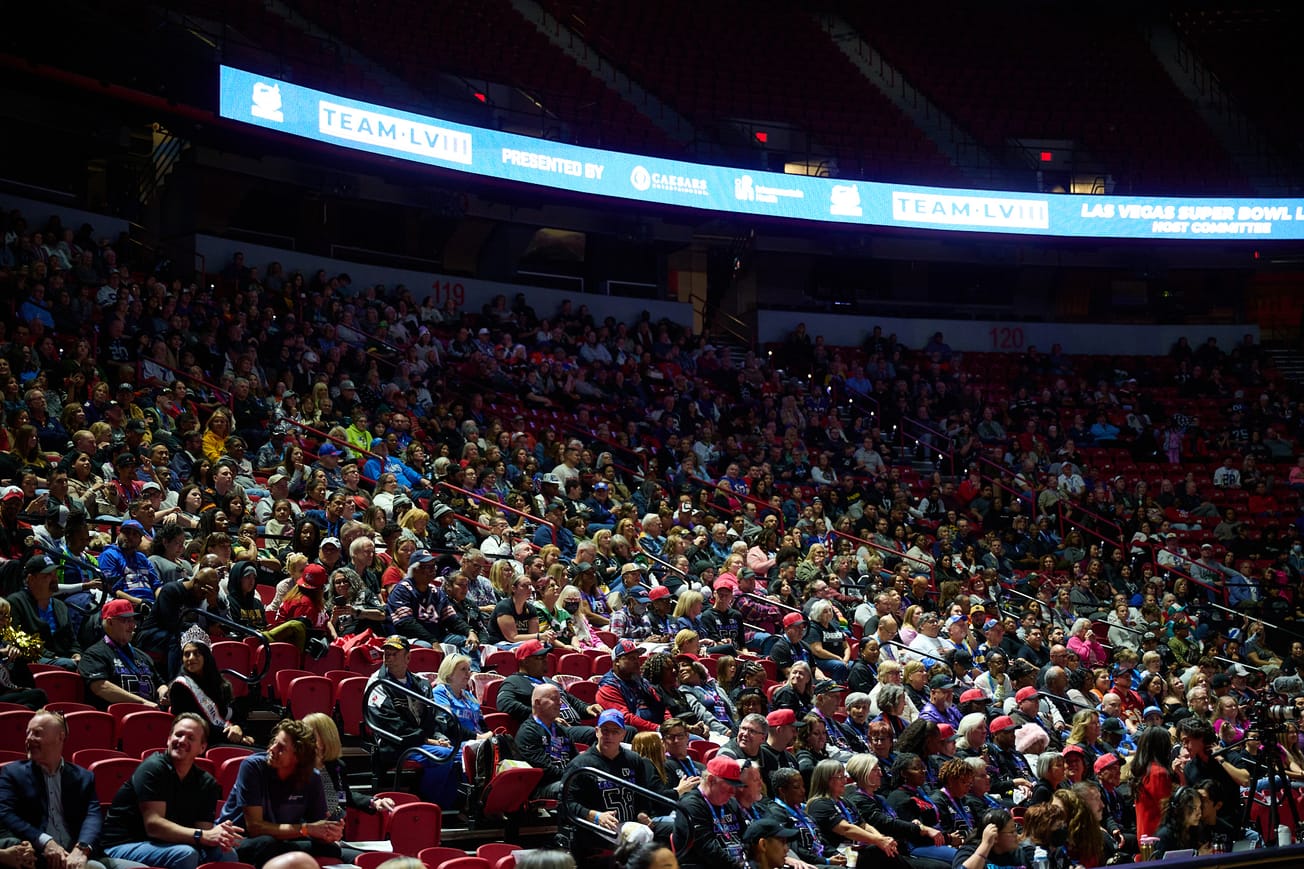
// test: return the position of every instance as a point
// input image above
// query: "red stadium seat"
(495, 851)
(88, 756)
(373, 859)
(348, 697)
(466, 863)
(89, 730)
(281, 680)
(509, 791)
(496, 720)
(424, 660)
(308, 694)
(141, 731)
(13, 726)
(110, 774)
(332, 660)
(415, 826)
(575, 664)
(438, 855)
(220, 754)
(61, 685)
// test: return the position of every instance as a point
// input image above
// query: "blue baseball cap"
(132, 525)
(421, 556)
(611, 716)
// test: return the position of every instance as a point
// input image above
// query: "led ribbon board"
(336, 120)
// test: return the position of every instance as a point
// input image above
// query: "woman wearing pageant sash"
(200, 688)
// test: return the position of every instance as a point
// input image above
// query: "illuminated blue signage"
(322, 117)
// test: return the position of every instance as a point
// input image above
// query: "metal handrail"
(661, 561)
(529, 516)
(251, 679)
(932, 576)
(613, 445)
(1221, 592)
(393, 737)
(230, 398)
(622, 784)
(316, 432)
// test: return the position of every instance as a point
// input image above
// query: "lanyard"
(960, 811)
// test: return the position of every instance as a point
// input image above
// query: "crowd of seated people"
(773, 615)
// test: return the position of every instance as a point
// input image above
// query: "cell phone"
(341, 600)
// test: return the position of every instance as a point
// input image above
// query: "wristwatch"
(83, 847)
(199, 838)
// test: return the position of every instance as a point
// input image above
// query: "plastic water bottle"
(1040, 859)
(1283, 835)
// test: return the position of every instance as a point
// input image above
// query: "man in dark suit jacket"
(66, 838)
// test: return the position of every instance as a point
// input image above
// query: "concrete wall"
(469, 293)
(1002, 336)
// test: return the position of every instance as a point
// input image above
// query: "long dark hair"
(210, 681)
(914, 738)
(1174, 819)
(1153, 746)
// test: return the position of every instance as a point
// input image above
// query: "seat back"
(509, 791)
(310, 694)
(438, 855)
(332, 660)
(494, 851)
(372, 859)
(13, 726)
(466, 863)
(142, 731)
(89, 730)
(220, 754)
(415, 826)
(480, 681)
(63, 707)
(502, 662)
(585, 690)
(284, 656)
(88, 756)
(61, 685)
(348, 697)
(575, 664)
(281, 680)
(110, 774)
(495, 720)
(227, 772)
(425, 660)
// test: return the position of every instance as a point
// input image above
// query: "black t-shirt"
(832, 638)
(727, 625)
(785, 653)
(826, 813)
(128, 668)
(1226, 791)
(522, 619)
(190, 801)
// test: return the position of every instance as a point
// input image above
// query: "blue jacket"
(23, 809)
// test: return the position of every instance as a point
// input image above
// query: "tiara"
(196, 634)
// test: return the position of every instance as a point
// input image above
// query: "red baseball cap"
(529, 648)
(973, 695)
(780, 717)
(792, 619)
(727, 769)
(1105, 761)
(1002, 722)
(1027, 693)
(116, 609)
(657, 592)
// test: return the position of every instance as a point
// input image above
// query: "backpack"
(490, 754)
